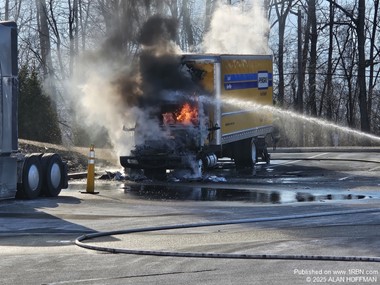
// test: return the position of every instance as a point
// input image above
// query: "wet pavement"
(289, 178)
(185, 193)
(37, 237)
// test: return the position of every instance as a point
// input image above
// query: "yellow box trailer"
(239, 83)
(222, 117)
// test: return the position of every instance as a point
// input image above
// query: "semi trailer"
(22, 175)
(219, 117)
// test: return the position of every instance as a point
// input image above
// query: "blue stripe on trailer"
(240, 77)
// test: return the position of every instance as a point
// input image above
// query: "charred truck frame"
(219, 118)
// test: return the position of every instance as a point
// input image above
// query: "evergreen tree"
(37, 118)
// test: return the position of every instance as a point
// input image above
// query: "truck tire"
(31, 184)
(53, 171)
(265, 156)
(262, 150)
(245, 154)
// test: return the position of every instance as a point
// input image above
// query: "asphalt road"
(37, 237)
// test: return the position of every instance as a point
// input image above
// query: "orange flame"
(188, 115)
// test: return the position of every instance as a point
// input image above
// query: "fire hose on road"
(80, 240)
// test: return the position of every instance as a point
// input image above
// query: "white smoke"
(97, 104)
(238, 29)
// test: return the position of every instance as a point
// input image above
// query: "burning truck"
(204, 109)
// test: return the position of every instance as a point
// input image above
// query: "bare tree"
(347, 52)
(44, 37)
(328, 84)
(358, 24)
(372, 57)
(282, 9)
(312, 104)
(12, 10)
(84, 16)
(187, 27)
(363, 104)
(73, 31)
(6, 10)
(55, 29)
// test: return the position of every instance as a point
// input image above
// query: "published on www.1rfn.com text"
(353, 275)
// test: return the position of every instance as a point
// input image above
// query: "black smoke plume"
(159, 66)
(158, 30)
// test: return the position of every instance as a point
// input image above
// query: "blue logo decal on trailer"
(260, 80)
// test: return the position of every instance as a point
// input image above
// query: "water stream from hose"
(290, 115)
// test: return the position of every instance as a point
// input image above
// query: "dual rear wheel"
(42, 175)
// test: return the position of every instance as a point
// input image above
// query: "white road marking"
(318, 155)
(344, 178)
(375, 168)
(295, 161)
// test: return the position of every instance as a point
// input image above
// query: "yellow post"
(91, 172)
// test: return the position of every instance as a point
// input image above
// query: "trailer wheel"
(262, 150)
(265, 156)
(31, 184)
(53, 174)
(245, 154)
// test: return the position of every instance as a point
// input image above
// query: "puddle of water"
(185, 193)
(309, 197)
(154, 192)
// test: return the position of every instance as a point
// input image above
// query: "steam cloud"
(238, 30)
